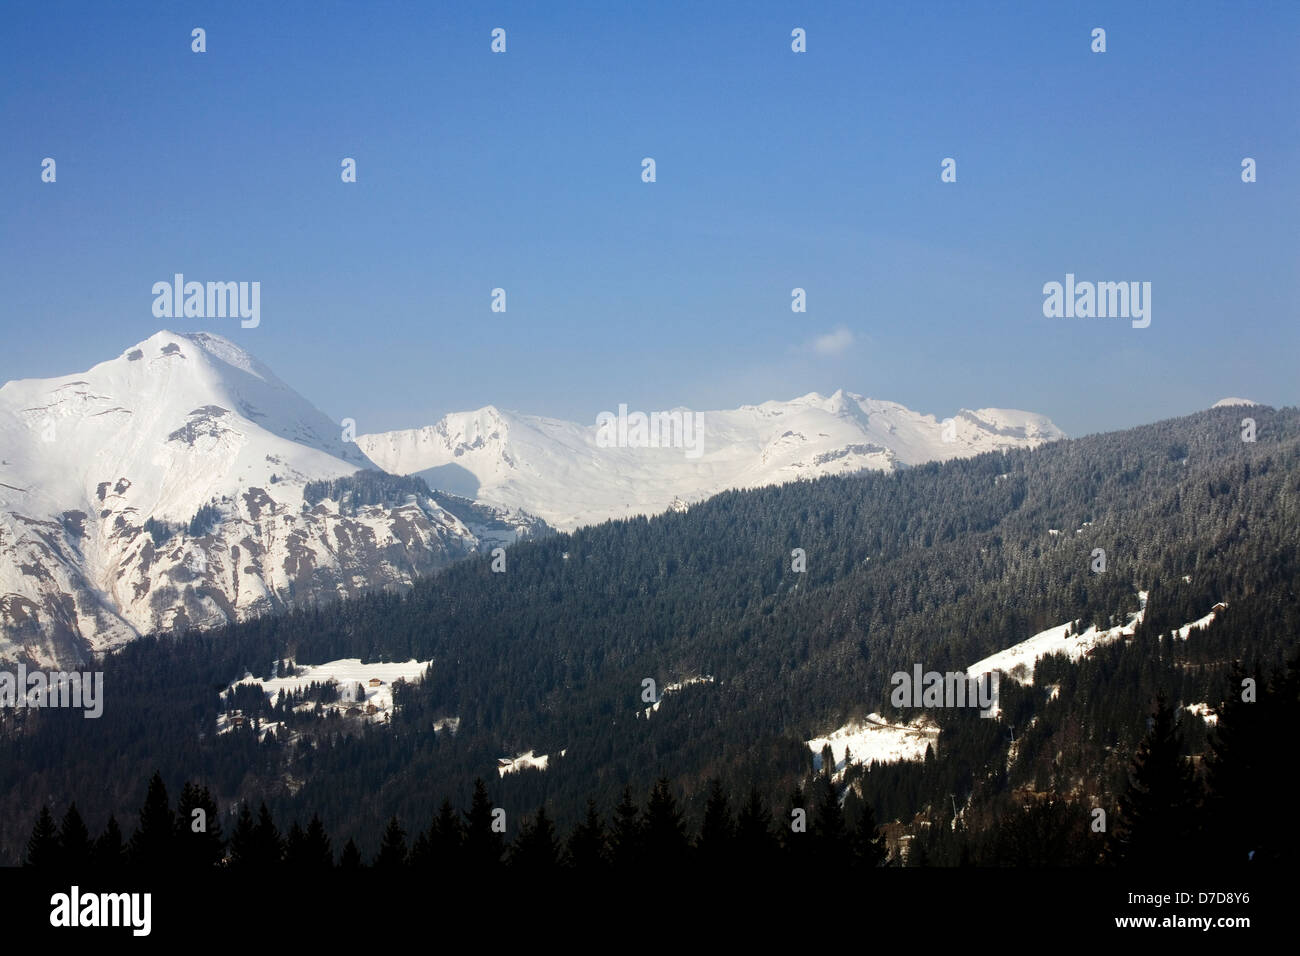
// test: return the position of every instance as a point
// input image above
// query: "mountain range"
(559, 470)
(182, 484)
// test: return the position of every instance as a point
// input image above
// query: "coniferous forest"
(939, 565)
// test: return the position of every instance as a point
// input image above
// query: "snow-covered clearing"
(876, 739)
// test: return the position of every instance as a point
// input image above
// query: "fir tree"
(626, 843)
(717, 833)
(317, 854)
(153, 844)
(756, 845)
(666, 843)
(830, 835)
(1156, 818)
(198, 829)
(536, 850)
(295, 848)
(108, 854)
(484, 846)
(795, 843)
(868, 842)
(421, 857)
(268, 847)
(75, 845)
(588, 850)
(392, 849)
(1243, 763)
(43, 846)
(447, 837)
(243, 849)
(350, 861)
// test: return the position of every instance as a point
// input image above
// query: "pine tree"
(392, 849)
(588, 850)
(108, 855)
(717, 834)
(1242, 764)
(666, 843)
(317, 854)
(153, 845)
(626, 843)
(756, 845)
(421, 857)
(295, 848)
(198, 829)
(447, 838)
(868, 842)
(484, 846)
(830, 836)
(75, 845)
(536, 850)
(43, 846)
(268, 847)
(243, 849)
(350, 861)
(796, 843)
(1156, 818)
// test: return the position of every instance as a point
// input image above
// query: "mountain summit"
(168, 487)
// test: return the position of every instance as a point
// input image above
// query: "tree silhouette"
(43, 845)
(1156, 819)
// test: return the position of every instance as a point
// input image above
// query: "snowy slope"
(1018, 660)
(558, 471)
(353, 680)
(875, 739)
(175, 424)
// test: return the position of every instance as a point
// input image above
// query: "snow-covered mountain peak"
(168, 487)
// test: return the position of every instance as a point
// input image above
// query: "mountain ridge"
(560, 471)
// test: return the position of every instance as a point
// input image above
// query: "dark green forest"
(938, 565)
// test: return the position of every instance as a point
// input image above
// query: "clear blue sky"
(775, 170)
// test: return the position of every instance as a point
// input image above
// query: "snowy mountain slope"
(559, 471)
(193, 435)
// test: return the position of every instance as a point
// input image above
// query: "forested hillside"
(938, 565)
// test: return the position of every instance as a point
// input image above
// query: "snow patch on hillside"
(1017, 661)
(353, 679)
(525, 761)
(672, 689)
(1200, 623)
(876, 739)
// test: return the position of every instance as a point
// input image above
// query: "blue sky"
(774, 170)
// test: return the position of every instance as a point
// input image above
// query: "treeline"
(632, 839)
